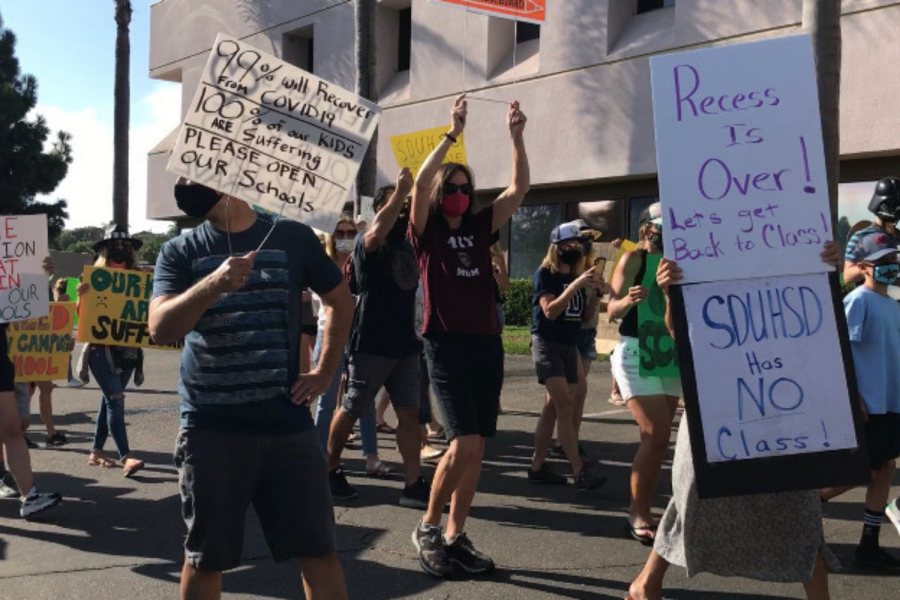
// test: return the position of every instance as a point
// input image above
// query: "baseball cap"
(652, 214)
(587, 231)
(565, 232)
(875, 246)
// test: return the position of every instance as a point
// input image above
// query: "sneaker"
(340, 488)
(8, 488)
(546, 475)
(876, 558)
(36, 502)
(416, 494)
(76, 383)
(893, 514)
(57, 439)
(589, 479)
(29, 442)
(429, 542)
(556, 451)
(464, 555)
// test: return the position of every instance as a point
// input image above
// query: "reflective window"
(530, 237)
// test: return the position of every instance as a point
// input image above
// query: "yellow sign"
(114, 310)
(39, 348)
(411, 149)
(627, 246)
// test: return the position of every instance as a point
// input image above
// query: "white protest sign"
(24, 288)
(740, 159)
(267, 132)
(770, 375)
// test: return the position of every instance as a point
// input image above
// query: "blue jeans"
(111, 416)
(328, 402)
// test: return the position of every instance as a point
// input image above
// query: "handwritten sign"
(269, 133)
(657, 348)
(769, 370)
(39, 348)
(411, 149)
(740, 159)
(114, 311)
(530, 11)
(24, 288)
(72, 292)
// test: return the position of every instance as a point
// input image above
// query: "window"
(297, 48)
(648, 5)
(404, 39)
(525, 32)
(605, 216)
(530, 237)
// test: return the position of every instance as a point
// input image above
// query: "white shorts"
(626, 360)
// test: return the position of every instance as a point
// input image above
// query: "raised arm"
(509, 201)
(421, 202)
(386, 217)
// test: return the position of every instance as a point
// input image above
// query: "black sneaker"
(546, 475)
(57, 439)
(416, 494)
(340, 488)
(29, 442)
(464, 555)
(876, 558)
(429, 542)
(36, 502)
(589, 479)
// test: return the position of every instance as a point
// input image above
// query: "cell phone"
(599, 265)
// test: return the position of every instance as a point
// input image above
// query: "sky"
(69, 46)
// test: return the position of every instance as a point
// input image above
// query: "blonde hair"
(551, 261)
(103, 260)
(330, 247)
(446, 171)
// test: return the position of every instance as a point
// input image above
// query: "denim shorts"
(367, 373)
(587, 344)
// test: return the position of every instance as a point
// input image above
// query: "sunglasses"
(345, 234)
(452, 188)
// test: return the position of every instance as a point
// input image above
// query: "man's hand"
(458, 115)
(831, 254)
(309, 386)
(232, 274)
(404, 183)
(516, 120)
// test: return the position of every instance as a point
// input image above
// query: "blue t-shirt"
(874, 324)
(565, 328)
(242, 357)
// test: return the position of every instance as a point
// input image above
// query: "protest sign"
(24, 288)
(72, 292)
(740, 158)
(771, 402)
(267, 132)
(39, 348)
(411, 149)
(657, 348)
(114, 310)
(529, 11)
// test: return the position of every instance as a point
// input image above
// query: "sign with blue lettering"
(741, 165)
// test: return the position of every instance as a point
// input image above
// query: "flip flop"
(384, 428)
(132, 467)
(431, 453)
(641, 534)
(100, 461)
(380, 470)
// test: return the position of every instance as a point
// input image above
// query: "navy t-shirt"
(386, 281)
(242, 357)
(565, 328)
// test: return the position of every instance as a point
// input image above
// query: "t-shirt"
(565, 328)
(386, 279)
(458, 275)
(874, 324)
(242, 357)
(853, 242)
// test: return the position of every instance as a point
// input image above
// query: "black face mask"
(656, 239)
(195, 200)
(401, 226)
(118, 255)
(570, 257)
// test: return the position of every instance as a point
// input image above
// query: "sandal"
(431, 453)
(645, 535)
(384, 428)
(437, 434)
(95, 460)
(379, 469)
(131, 467)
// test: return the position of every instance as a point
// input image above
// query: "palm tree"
(122, 99)
(822, 19)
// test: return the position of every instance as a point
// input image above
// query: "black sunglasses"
(451, 188)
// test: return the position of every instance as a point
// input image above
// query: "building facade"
(583, 79)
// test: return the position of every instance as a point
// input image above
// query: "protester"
(384, 349)
(566, 292)
(462, 334)
(247, 436)
(113, 366)
(652, 400)
(429, 428)
(885, 205)
(767, 537)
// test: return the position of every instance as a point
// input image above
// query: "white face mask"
(344, 245)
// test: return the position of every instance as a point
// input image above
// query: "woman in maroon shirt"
(462, 332)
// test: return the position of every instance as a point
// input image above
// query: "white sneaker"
(36, 502)
(893, 513)
(76, 383)
(8, 487)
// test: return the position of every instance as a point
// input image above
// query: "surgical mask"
(656, 239)
(455, 205)
(345, 245)
(570, 257)
(886, 274)
(195, 200)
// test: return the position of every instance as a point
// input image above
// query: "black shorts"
(883, 438)
(553, 359)
(7, 373)
(467, 376)
(283, 477)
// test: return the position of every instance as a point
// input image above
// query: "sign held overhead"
(529, 11)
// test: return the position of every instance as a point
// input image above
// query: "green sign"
(657, 348)
(71, 292)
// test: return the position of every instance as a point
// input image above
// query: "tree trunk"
(121, 120)
(365, 87)
(822, 19)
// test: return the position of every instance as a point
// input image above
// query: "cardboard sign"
(72, 292)
(411, 149)
(269, 133)
(39, 348)
(770, 399)
(114, 310)
(741, 165)
(529, 11)
(657, 348)
(24, 287)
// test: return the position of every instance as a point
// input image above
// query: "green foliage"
(25, 169)
(153, 243)
(517, 340)
(517, 302)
